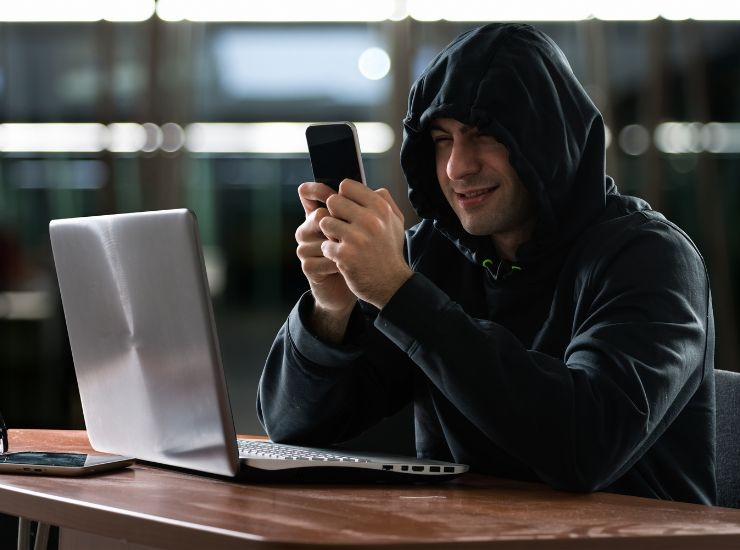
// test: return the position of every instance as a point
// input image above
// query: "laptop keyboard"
(249, 447)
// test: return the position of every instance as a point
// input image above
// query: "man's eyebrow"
(464, 130)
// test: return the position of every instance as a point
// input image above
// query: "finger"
(313, 195)
(316, 268)
(309, 249)
(343, 208)
(334, 228)
(309, 230)
(364, 196)
(356, 191)
(330, 249)
(386, 195)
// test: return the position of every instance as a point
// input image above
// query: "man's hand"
(365, 241)
(333, 299)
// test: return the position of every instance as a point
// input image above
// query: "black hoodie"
(586, 364)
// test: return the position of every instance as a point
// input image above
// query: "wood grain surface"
(173, 509)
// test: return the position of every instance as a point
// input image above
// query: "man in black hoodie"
(544, 326)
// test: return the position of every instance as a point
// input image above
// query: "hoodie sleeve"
(636, 354)
(315, 393)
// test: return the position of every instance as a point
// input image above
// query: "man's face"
(479, 183)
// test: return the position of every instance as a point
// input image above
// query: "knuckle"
(374, 225)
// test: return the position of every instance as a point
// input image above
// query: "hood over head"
(512, 82)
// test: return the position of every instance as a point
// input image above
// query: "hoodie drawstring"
(502, 271)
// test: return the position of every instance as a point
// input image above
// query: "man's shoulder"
(630, 217)
(630, 226)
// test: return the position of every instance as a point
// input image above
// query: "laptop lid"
(140, 323)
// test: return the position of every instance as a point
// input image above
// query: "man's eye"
(440, 139)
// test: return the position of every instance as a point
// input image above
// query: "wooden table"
(156, 507)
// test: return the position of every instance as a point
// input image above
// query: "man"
(546, 327)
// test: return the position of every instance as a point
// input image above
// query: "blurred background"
(112, 107)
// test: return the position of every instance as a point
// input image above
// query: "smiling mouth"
(475, 194)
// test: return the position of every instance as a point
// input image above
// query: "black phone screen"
(334, 154)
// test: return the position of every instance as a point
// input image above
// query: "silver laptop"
(147, 359)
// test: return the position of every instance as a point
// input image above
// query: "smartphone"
(61, 464)
(335, 153)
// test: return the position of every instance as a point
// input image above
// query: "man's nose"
(463, 161)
